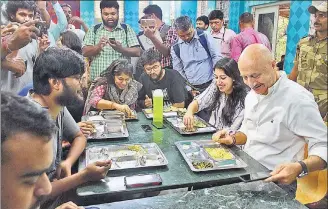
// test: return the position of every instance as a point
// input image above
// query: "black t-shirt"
(172, 84)
(280, 65)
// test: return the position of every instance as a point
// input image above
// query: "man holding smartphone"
(167, 33)
(99, 46)
(15, 75)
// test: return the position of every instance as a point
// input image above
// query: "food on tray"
(148, 111)
(127, 156)
(136, 148)
(219, 153)
(199, 124)
(168, 109)
(182, 111)
(202, 165)
(194, 129)
(133, 116)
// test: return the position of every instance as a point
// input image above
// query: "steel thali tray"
(177, 123)
(107, 128)
(127, 156)
(149, 113)
(111, 114)
(206, 155)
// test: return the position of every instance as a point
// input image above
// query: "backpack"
(202, 41)
(123, 25)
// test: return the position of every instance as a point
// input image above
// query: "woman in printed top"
(115, 89)
(224, 98)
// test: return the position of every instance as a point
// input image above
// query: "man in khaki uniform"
(310, 64)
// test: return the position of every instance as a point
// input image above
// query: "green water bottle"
(158, 108)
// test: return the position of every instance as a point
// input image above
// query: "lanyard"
(222, 39)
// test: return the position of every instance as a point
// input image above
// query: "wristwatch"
(304, 171)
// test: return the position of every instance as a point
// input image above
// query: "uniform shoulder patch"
(305, 39)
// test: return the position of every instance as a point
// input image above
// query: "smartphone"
(142, 180)
(111, 39)
(255, 176)
(146, 128)
(42, 28)
(148, 22)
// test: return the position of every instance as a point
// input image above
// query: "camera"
(42, 28)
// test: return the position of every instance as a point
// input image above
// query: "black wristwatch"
(304, 171)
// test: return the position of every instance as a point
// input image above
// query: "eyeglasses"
(154, 68)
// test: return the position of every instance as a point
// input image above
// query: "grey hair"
(183, 23)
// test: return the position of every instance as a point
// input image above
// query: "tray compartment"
(201, 152)
(177, 124)
(128, 155)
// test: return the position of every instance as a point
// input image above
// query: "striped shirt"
(170, 39)
(108, 54)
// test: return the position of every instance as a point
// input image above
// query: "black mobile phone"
(146, 128)
(255, 176)
(111, 40)
(42, 28)
(142, 180)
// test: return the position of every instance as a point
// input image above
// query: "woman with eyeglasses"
(224, 98)
(115, 89)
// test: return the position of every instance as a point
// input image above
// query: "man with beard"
(310, 64)
(23, 171)
(56, 84)
(109, 40)
(155, 77)
(16, 72)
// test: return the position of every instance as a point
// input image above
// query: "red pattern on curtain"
(75, 10)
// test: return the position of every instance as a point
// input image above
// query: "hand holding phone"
(148, 23)
(42, 28)
(111, 40)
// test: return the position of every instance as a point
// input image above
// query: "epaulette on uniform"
(306, 38)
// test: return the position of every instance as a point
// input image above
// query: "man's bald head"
(257, 67)
(255, 52)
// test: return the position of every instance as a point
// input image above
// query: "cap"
(322, 7)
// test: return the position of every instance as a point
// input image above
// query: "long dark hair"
(117, 67)
(239, 92)
(72, 41)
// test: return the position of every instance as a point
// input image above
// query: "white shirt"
(279, 124)
(12, 84)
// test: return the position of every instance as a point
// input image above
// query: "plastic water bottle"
(158, 108)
